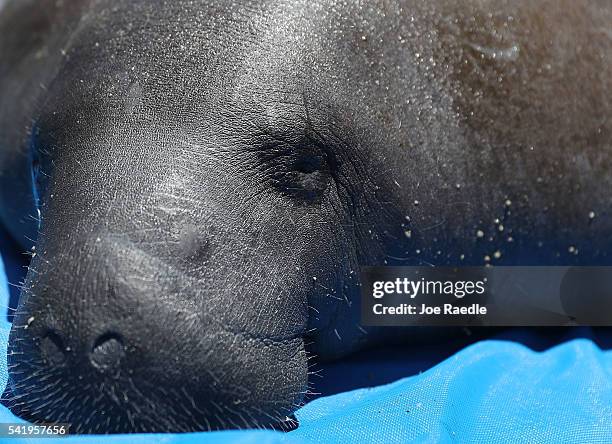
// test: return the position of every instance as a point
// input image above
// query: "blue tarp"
(490, 391)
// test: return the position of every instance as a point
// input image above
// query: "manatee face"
(195, 222)
(210, 175)
(181, 206)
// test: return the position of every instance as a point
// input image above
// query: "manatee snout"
(109, 338)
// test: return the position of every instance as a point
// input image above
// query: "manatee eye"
(309, 177)
(303, 171)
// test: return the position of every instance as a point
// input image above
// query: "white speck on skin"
(509, 53)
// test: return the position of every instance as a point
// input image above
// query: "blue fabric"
(491, 391)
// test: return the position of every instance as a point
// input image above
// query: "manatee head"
(190, 219)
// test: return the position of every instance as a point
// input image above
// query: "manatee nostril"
(53, 348)
(107, 352)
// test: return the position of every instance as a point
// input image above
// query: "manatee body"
(202, 181)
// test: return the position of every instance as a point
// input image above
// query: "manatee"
(199, 182)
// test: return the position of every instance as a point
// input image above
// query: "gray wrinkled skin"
(210, 175)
